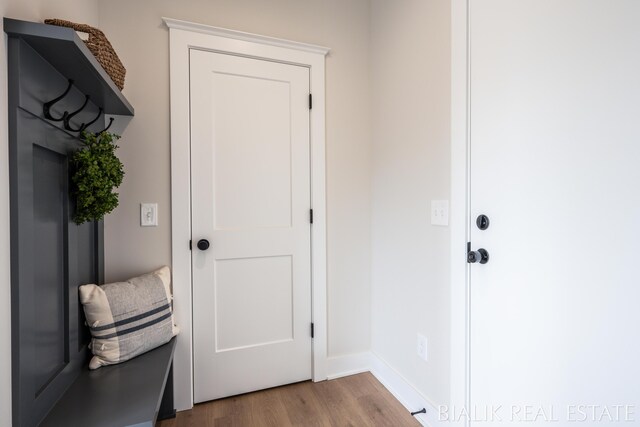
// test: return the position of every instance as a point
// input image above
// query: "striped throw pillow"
(128, 318)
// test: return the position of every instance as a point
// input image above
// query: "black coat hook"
(46, 107)
(108, 126)
(84, 127)
(67, 117)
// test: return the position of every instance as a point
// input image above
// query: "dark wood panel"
(47, 354)
(43, 235)
(51, 256)
(50, 300)
(88, 267)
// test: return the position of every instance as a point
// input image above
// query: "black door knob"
(481, 256)
(203, 244)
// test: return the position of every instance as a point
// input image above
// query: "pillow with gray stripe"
(128, 318)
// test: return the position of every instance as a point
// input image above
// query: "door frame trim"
(460, 213)
(184, 36)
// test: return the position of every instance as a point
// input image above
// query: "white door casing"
(552, 147)
(185, 36)
(251, 201)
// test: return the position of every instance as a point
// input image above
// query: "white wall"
(81, 11)
(411, 142)
(136, 31)
(30, 10)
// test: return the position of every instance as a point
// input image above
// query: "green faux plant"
(97, 171)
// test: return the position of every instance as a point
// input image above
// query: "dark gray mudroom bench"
(134, 393)
(56, 86)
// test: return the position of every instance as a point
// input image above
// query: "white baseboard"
(351, 364)
(406, 393)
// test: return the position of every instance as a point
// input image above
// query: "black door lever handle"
(481, 256)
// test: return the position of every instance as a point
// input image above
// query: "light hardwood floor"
(357, 400)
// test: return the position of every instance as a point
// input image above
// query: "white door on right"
(555, 166)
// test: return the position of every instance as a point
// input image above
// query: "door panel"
(554, 153)
(268, 280)
(248, 111)
(251, 200)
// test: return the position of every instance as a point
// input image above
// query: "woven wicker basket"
(100, 47)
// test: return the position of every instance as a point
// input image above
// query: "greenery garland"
(96, 172)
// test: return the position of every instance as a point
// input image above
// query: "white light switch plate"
(440, 212)
(148, 214)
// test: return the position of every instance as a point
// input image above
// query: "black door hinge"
(312, 332)
(310, 101)
(190, 246)
(311, 216)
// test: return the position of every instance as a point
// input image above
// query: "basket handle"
(84, 28)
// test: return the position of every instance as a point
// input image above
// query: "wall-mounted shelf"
(66, 52)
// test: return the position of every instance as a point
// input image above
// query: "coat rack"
(67, 116)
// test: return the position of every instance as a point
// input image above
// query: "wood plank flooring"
(357, 400)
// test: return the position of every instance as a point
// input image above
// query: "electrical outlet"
(421, 348)
(440, 212)
(148, 214)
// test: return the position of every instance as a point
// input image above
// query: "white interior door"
(555, 147)
(250, 200)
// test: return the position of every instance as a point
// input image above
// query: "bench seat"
(132, 393)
